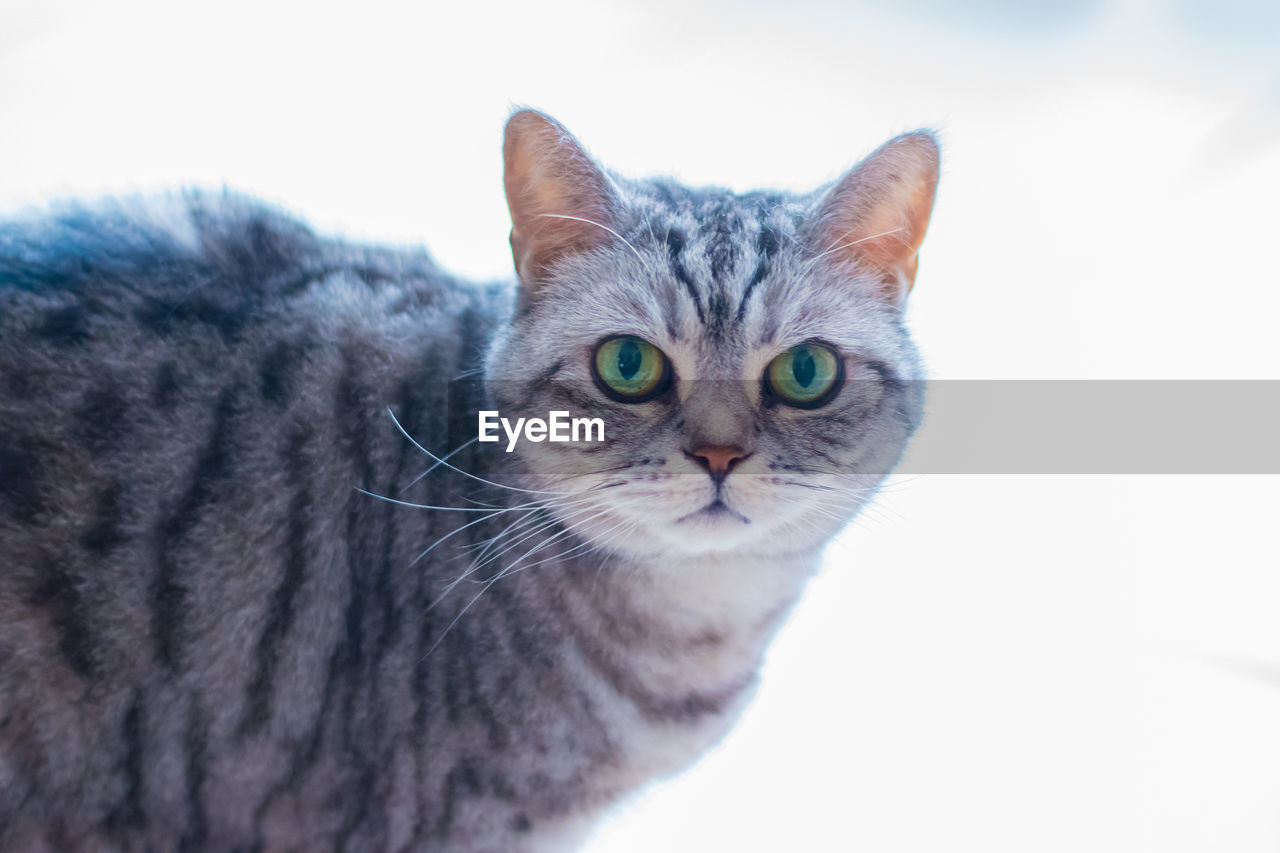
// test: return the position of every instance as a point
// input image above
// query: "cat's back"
(125, 320)
(130, 329)
(194, 266)
(151, 346)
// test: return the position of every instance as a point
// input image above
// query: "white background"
(988, 664)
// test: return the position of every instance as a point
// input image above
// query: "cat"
(261, 588)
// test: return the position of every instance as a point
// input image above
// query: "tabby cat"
(261, 588)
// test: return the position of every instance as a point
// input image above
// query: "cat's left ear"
(876, 215)
(561, 202)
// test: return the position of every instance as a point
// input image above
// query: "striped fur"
(213, 633)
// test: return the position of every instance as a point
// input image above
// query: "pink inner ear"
(560, 200)
(878, 213)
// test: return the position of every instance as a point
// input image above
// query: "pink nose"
(719, 459)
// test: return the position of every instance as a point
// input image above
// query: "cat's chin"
(686, 517)
(713, 530)
(722, 535)
(714, 527)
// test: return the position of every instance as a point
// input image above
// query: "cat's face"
(754, 391)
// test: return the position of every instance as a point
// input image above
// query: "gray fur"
(212, 637)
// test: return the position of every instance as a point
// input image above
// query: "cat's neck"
(729, 592)
(679, 642)
(695, 627)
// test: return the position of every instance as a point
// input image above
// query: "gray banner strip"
(1225, 427)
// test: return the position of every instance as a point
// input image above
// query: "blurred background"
(1024, 663)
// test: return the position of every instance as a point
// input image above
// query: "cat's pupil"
(803, 368)
(629, 358)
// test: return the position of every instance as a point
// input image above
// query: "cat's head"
(745, 352)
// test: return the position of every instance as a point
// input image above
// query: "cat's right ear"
(561, 202)
(876, 215)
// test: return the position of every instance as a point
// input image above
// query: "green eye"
(805, 376)
(631, 370)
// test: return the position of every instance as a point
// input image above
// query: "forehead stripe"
(675, 245)
(767, 243)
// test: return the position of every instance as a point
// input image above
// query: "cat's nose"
(718, 459)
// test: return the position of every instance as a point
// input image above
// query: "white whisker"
(485, 588)
(496, 513)
(598, 225)
(478, 563)
(425, 506)
(813, 261)
(440, 461)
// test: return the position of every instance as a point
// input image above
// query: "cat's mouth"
(715, 510)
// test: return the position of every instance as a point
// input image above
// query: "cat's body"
(212, 636)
